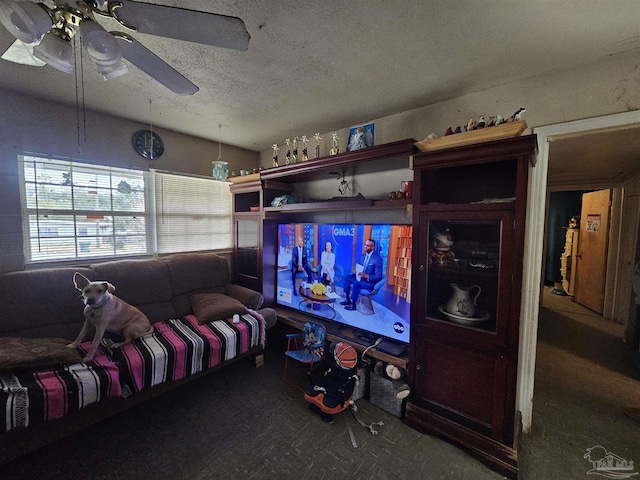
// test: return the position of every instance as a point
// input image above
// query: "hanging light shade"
(56, 52)
(103, 49)
(26, 21)
(220, 170)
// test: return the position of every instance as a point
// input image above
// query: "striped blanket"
(28, 397)
(177, 349)
(180, 348)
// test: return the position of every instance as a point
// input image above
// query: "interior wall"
(624, 310)
(35, 126)
(611, 85)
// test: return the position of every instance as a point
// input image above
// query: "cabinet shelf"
(335, 334)
(375, 158)
(339, 205)
(467, 207)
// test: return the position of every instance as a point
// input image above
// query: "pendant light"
(220, 170)
(219, 143)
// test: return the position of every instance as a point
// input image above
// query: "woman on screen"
(327, 262)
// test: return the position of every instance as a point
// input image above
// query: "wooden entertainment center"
(462, 368)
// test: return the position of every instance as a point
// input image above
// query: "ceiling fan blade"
(182, 24)
(20, 52)
(154, 66)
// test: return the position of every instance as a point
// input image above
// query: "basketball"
(345, 355)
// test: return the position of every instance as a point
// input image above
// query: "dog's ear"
(109, 287)
(80, 281)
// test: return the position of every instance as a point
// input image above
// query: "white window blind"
(73, 210)
(192, 213)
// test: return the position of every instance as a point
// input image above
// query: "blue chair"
(306, 347)
(364, 304)
(338, 274)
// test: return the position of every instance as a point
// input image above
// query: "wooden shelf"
(505, 130)
(466, 207)
(339, 205)
(297, 320)
(319, 167)
(252, 185)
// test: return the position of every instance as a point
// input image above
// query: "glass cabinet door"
(247, 247)
(465, 268)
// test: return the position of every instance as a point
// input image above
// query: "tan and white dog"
(107, 313)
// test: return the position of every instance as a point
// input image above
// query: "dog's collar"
(105, 299)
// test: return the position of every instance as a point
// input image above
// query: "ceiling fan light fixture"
(55, 52)
(26, 21)
(101, 46)
(114, 70)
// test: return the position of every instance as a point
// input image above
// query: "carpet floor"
(243, 422)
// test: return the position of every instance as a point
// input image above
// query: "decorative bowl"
(481, 316)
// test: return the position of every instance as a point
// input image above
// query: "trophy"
(274, 162)
(318, 138)
(294, 155)
(305, 142)
(287, 156)
(334, 144)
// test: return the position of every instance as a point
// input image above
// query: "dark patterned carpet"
(243, 422)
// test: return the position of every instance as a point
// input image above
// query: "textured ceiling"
(320, 66)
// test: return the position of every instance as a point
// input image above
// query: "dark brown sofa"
(45, 303)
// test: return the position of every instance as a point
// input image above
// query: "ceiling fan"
(44, 35)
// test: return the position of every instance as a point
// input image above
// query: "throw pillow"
(208, 307)
(19, 353)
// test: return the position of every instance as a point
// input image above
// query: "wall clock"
(148, 144)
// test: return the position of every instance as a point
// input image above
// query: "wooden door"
(592, 249)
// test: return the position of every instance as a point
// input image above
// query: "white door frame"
(533, 248)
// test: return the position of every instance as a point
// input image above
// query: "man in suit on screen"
(299, 263)
(370, 275)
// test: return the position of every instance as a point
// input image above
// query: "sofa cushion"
(20, 352)
(143, 283)
(209, 307)
(191, 272)
(248, 297)
(41, 303)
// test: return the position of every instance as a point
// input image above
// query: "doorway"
(577, 240)
(576, 174)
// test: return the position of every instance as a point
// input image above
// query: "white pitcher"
(461, 303)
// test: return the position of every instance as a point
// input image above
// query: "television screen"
(367, 292)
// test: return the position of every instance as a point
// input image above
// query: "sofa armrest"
(249, 298)
(270, 316)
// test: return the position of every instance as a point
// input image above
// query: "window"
(192, 213)
(72, 210)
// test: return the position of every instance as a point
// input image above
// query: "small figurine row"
(291, 154)
(483, 123)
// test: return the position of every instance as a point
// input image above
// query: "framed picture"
(360, 136)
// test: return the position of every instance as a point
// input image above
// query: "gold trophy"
(294, 155)
(318, 138)
(287, 156)
(305, 142)
(334, 144)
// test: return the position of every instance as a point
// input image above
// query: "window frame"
(150, 213)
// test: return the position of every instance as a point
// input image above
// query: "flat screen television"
(385, 313)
